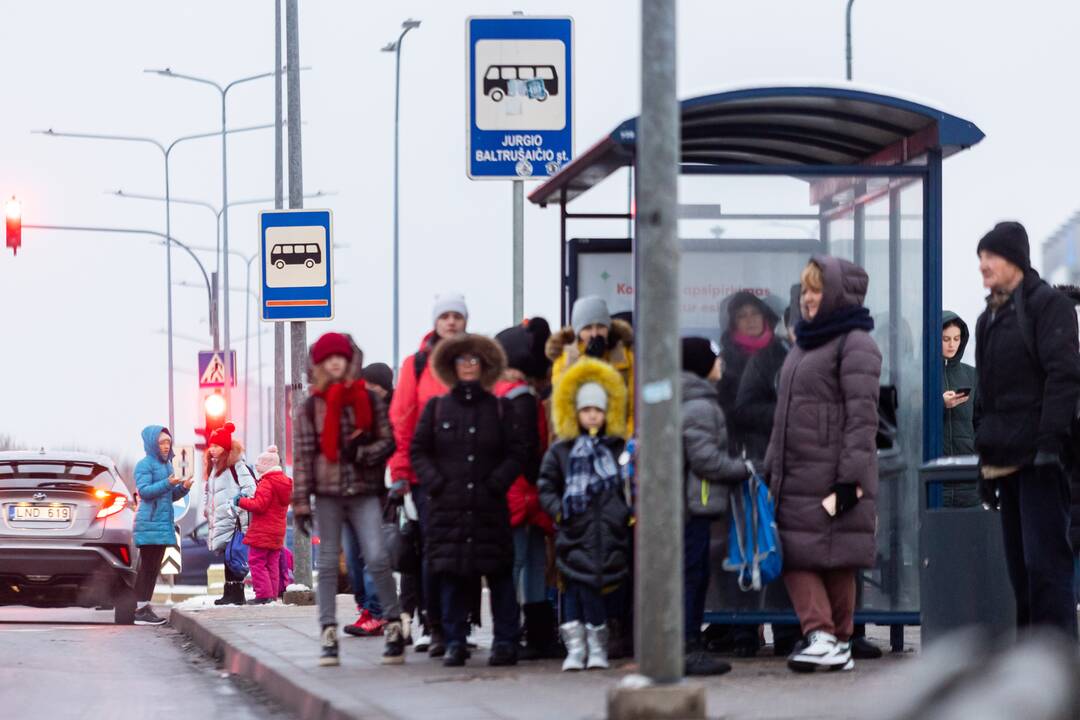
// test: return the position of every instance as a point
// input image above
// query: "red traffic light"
(214, 409)
(13, 213)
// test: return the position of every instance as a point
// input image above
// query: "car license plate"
(39, 513)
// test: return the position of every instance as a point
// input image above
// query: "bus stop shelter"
(768, 177)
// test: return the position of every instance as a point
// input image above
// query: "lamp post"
(395, 47)
(223, 91)
(166, 152)
(848, 36)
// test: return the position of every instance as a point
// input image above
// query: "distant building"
(1061, 254)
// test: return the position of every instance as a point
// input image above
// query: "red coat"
(523, 498)
(268, 509)
(410, 397)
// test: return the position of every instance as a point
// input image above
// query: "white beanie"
(591, 310)
(449, 302)
(591, 394)
(267, 461)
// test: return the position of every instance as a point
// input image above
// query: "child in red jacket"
(266, 533)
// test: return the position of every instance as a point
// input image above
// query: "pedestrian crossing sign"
(212, 368)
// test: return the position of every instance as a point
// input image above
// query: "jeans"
(1035, 528)
(364, 513)
(363, 584)
(149, 567)
(265, 572)
(458, 595)
(530, 564)
(696, 574)
(584, 603)
(431, 594)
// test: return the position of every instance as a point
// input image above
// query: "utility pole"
(848, 33)
(278, 425)
(519, 251)
(297, 330)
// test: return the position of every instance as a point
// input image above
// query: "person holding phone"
(961, 382)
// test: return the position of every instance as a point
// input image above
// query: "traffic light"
(13, 211)
(215, 410)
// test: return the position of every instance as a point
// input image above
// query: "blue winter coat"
(154, 518)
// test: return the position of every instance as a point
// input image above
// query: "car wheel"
(309, 263)
(280, 264)
(496, 95)
(124, 606)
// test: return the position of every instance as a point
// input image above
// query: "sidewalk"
(277, 647)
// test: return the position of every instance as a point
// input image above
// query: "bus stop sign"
(297, 265)
(520, 99)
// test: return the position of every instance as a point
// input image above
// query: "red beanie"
(222, 437)
(331, 344)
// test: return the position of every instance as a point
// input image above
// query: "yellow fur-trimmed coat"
(564, 349)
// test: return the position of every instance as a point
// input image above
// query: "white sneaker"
(422, 643)
(841, 659)
(820, 651)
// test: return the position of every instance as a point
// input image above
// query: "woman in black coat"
(467, 453)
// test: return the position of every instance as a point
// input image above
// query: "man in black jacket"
(1029, 380)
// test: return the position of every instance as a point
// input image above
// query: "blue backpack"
(753, 540)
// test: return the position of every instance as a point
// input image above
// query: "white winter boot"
(597, 639)
(573, 636)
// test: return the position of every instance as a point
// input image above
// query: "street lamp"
(395, 47)
(166, 152)
(223, 91)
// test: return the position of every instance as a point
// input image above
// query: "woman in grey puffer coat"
(822, 458)
(227, 477)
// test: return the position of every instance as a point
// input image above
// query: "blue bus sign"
(297, 265)
(520, 102)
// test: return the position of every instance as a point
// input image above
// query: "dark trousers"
(824, 600)
(149, 567)
(431, 594)
(1035, 528)
(584, 603)
(696, 573)
(458, 599)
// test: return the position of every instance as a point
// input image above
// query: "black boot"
(437, 648)
(700, 663)
(620, 639)
(233, 593)
(541, 633)
(503, 654)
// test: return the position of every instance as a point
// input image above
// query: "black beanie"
(1009, 240)
(697, 356)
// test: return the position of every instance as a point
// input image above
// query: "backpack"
(753, 539)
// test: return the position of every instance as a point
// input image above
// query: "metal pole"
(247, 346)
(225, 253)
(519, 251)
(279, 202)
(659, 581)
(168, 292)
(395, 316)
(848, 26)
(297, 330)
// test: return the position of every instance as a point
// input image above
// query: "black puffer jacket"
(959, 429)
(592, 548)
(755, 403)
(1027, 398)
(1073, 294)
(467, 453)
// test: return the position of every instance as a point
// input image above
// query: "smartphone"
(964, 391)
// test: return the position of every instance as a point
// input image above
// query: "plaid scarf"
(591, 471)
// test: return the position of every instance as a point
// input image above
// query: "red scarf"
(336, 396)
(753, 345)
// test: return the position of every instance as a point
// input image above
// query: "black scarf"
(822, 329)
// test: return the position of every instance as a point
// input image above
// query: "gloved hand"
(353, 445)
(847, 497)
(236, 501)
(302, 522)
(398, 490)
(596, 347)
(988, 493)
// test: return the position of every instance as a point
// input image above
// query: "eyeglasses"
(467, 361)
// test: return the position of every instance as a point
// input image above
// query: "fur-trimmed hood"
(621, 333)
(318, 378)
(492, 358)
(564, 398)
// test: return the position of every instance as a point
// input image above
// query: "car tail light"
(111, 503)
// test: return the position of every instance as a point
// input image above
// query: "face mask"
(597, 347)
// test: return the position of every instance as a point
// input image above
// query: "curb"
(291, 686)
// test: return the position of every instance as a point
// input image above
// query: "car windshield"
(44, 472)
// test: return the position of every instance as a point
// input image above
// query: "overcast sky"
(83, 354)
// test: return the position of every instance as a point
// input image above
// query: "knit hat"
(1009, 240)
(331, 344)
(379, 374)
(524, 347)
(591, 310)
(449, 302)
(222, 437)
(591, 394)
(698, 356)
(267, 461)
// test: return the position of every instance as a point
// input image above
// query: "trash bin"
(962, 573)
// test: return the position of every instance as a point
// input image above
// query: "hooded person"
(158, 488)
(961, 385)
(822, 459)
(467, 452)
(343, 438)
(527, 365)
(227, 475)
(582, 486)
(593, 333)
(417, 385)
(269, 508)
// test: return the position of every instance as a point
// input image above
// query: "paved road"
(75, 663)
